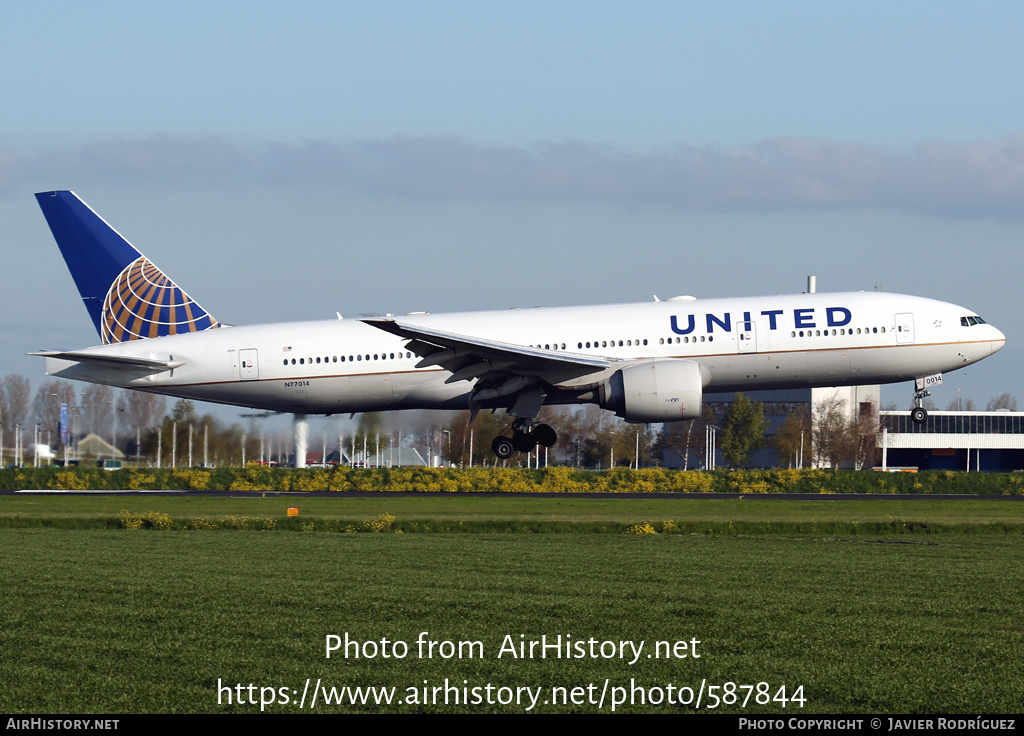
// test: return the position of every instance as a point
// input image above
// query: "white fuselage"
(325, 367)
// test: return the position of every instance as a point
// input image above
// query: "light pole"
(448, 432)
(113, 430)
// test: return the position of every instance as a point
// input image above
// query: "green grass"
(119, 621)
(509, 513)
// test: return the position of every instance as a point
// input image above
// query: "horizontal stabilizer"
(124, 361)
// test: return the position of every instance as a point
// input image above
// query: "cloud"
(980, 179)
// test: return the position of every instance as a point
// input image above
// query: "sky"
(289, 161)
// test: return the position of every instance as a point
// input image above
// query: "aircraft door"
(248, 365)
(746, 337)
(905, 329)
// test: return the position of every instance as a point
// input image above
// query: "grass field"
(715, 513)
(117, 621)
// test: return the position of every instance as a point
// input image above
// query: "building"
(953, 440)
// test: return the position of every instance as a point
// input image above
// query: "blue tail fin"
(127, 296)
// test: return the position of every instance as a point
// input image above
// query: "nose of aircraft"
(998, 340)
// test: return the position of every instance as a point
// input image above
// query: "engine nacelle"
(661, 390)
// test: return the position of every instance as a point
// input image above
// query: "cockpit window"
(971, 321)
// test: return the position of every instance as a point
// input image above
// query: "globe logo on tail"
(143, 302)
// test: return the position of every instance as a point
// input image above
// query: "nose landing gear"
(918, 414)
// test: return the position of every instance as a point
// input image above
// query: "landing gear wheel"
(546, 437)
(918, 414)
(502, 447)
(523, 441)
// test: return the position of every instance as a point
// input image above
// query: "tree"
(1003, 401)
(599, 438)
(688, 438)
(14, 393)
(840, 439)
(98, 409)
(174, 432)
(961, 405)
(46, 405)
(479, 434)
(141, 409)
(367, 437)
(743, 428)
(793, 438)
(183, 412)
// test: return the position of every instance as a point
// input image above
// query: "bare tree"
(961, 405)
(1003, 401)
(14, 400)
(837, 438)
(867, 426)
(689, 438)
(141, 409)
(98, 409)
(46, 404)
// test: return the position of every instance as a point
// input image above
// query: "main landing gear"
(525, 435)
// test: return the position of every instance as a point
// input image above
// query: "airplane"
(646, 362)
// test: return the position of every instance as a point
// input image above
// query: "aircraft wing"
(469, 358)
(123, 361)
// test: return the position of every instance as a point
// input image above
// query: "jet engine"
(661, 390)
